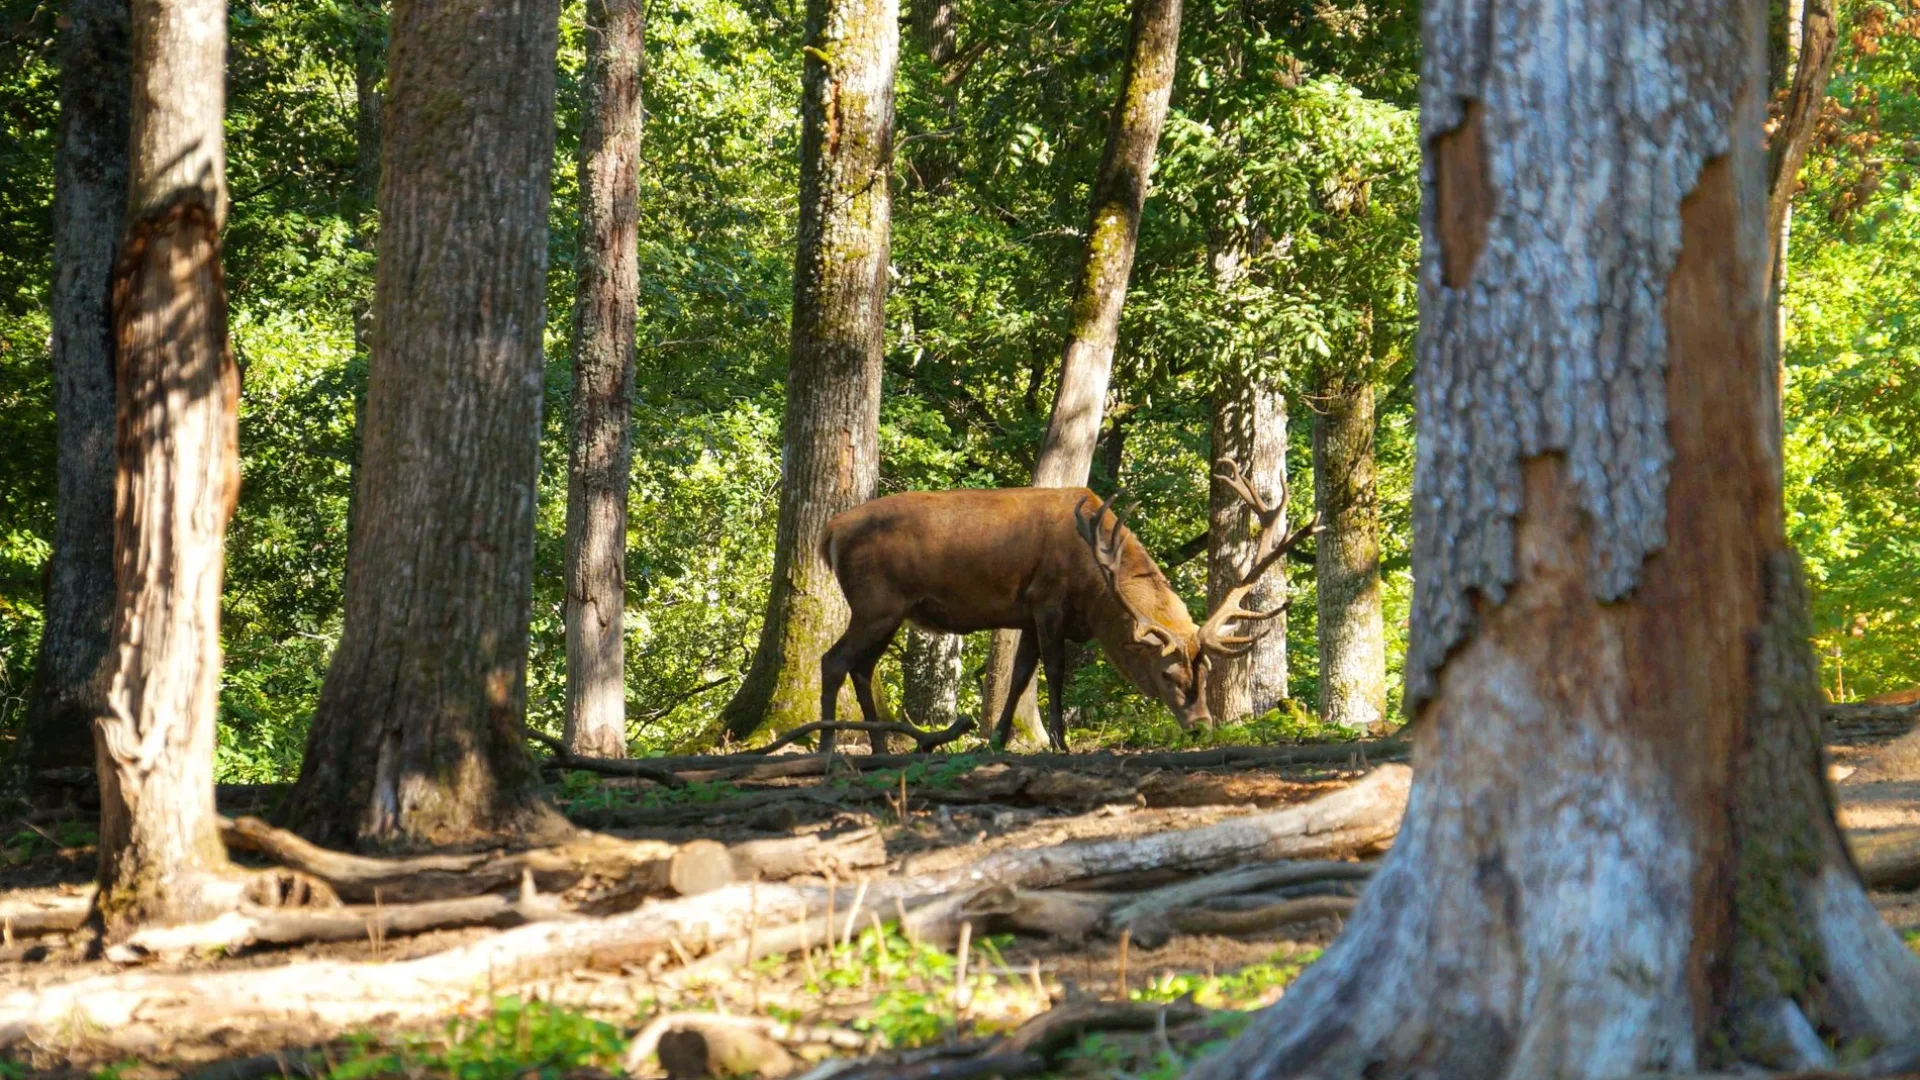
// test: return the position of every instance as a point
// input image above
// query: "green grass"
(517, 1041)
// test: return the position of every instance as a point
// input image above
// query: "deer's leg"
(1025, 659)
(854, 654)
(862, 673)
(1053, 653)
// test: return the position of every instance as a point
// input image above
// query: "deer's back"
(957, 560)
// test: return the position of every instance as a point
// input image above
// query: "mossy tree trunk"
(830, 456)
(605, 299)
(73, 665)
(178, 475)
(1099, 294)
(1353, 648)
(1619, 853)
(417, 739)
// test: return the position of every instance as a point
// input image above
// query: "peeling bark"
(830, 459)
(178, 476)
(417, 737)
(604, 313)
(73, 664)
(1620, 854)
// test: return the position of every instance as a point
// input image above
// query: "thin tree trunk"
(369, 67)
(176, 434)
(936, 28)
(1250, 429)
(1100, 291)
(417, 739)
(603, 332)
(930, 670)
(1814, 44)
(1353, 652)
(831, 455)
(1620, 853)
(90, 205)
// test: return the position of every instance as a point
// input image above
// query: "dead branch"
(1146, 914)
(1259, 920)
(254, 927)
(924, 741)
(641, 866)
(641, 768)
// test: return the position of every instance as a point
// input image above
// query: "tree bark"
(936, 27)
(417, 739)
(1250, 429)
(178, 475)
(1353, 651)
(1620, 852)
(930, 677)
(603, 332)
(1816, 34)
(831, 455)
(1100, 291)
(73, 666)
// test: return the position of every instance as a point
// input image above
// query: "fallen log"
(645, 866)
(1346, 822)
(61, 915)
(812, 854)
(1888, 859)
(254, 927)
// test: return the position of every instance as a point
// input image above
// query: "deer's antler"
(1274, 543)
(1106, 547)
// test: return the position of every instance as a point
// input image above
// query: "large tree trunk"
(603, 331)
(1353, 649)
(1250, 429)
(831, 455)
(930, 668)
(178, 476)
(418, 735)
(90, 206)
(1100, 291)
(1620, 852)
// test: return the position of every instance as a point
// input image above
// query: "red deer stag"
(1034, 560)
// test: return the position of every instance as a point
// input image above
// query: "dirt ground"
(947, 824)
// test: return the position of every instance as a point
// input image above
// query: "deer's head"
(1165, 654)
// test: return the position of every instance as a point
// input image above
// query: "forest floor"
(875, 987)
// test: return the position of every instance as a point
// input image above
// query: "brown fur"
(968, 560)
